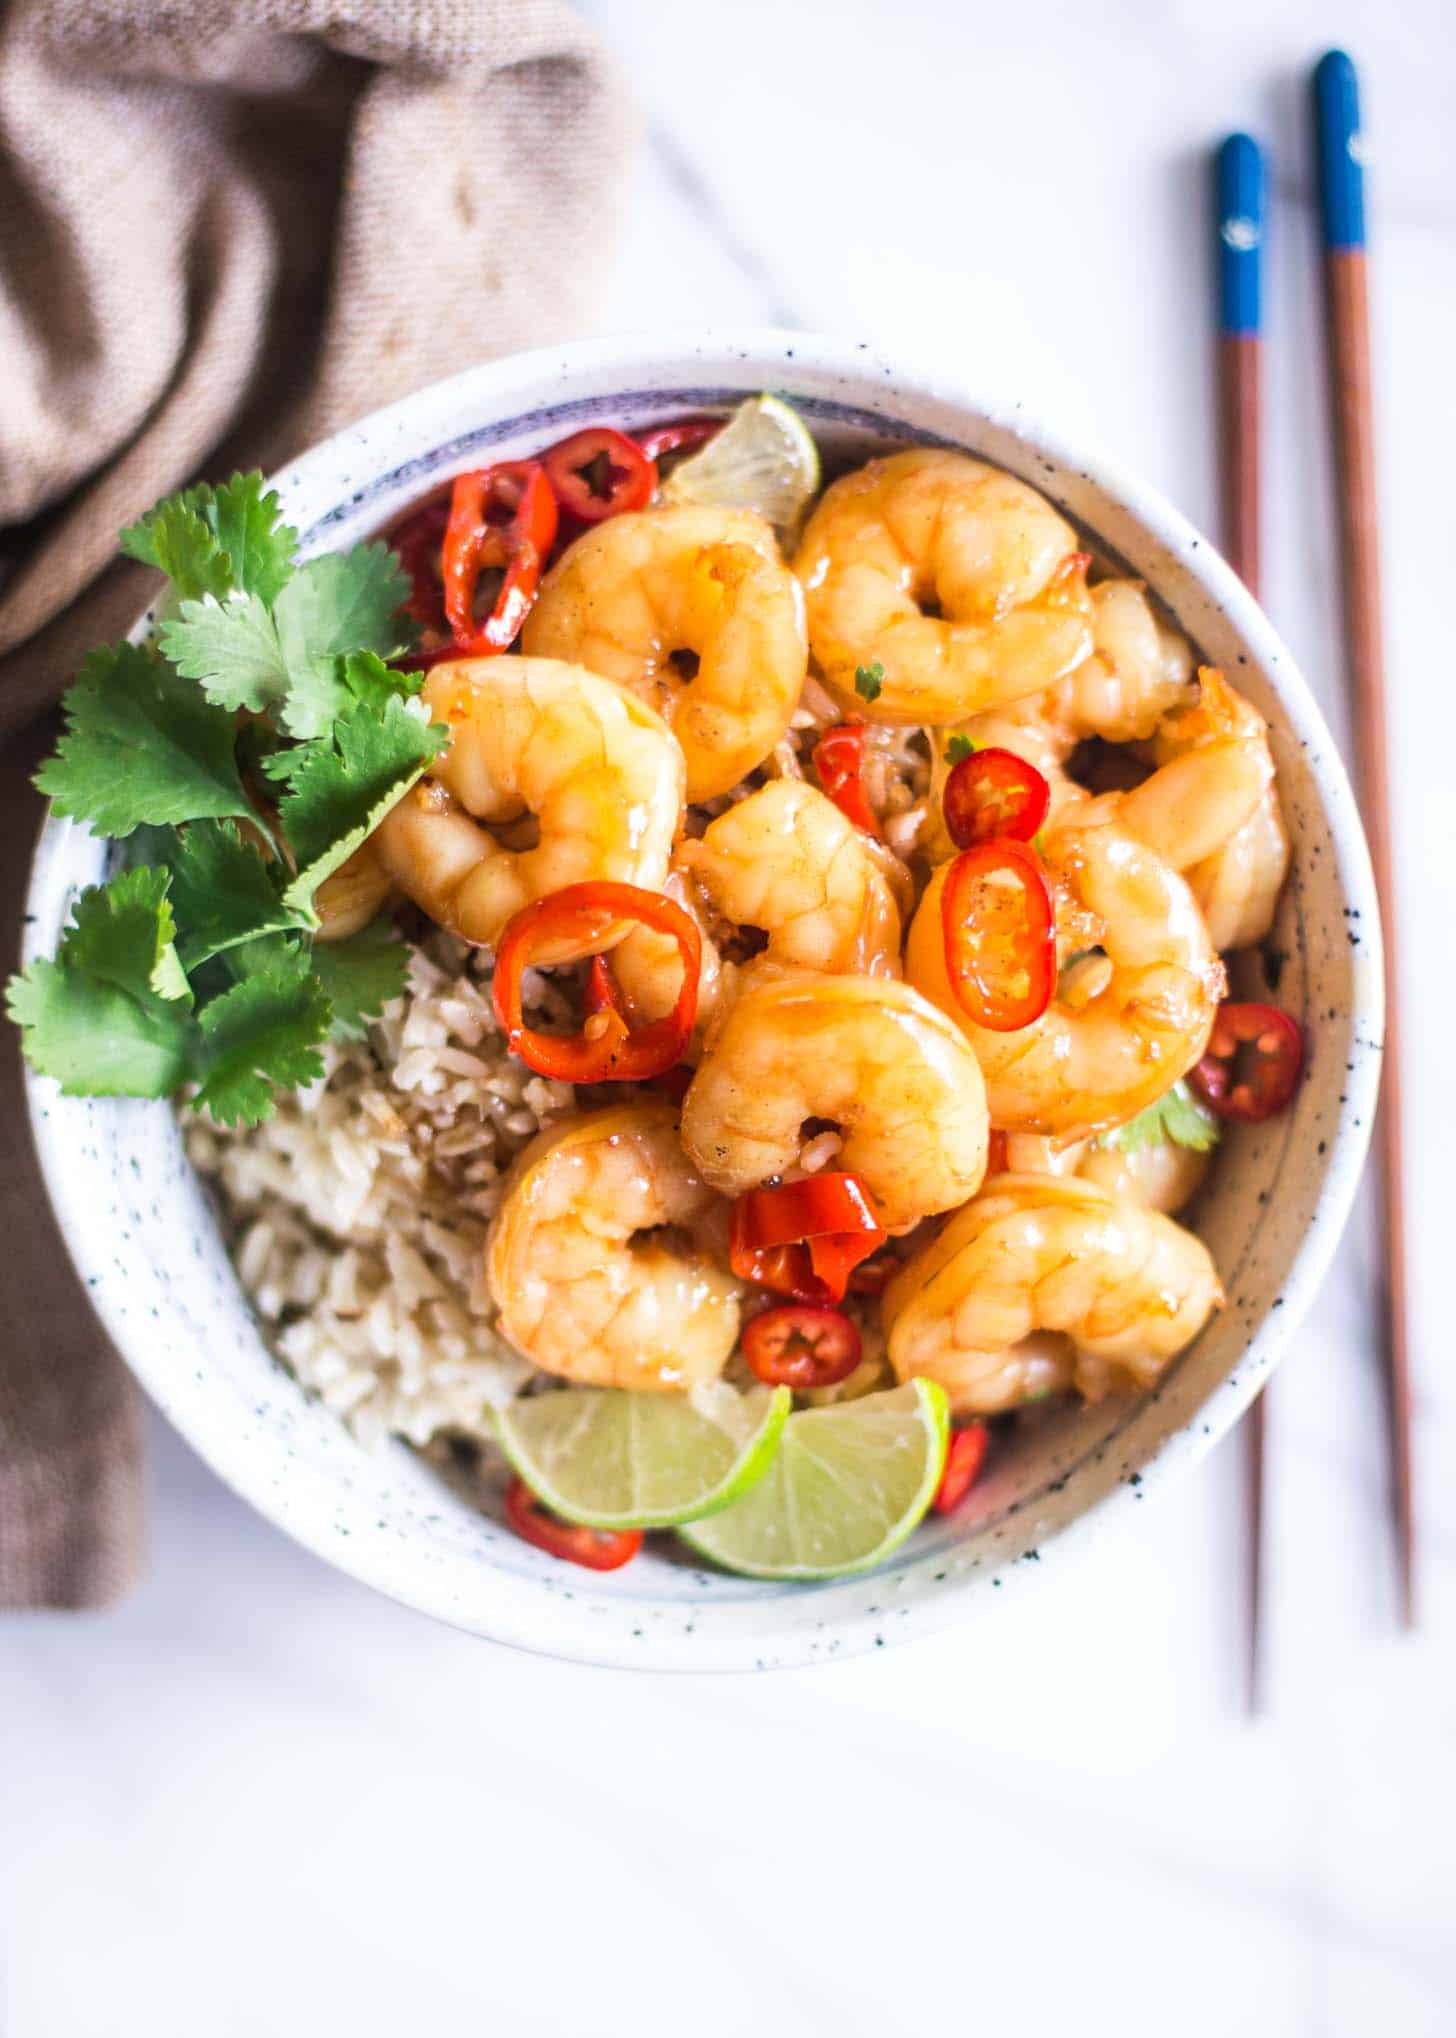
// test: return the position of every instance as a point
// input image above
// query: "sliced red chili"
(963, 1462)
(683, 437)
(839, 762)
(596, 1549)
(503, 516)
(1000, 935)
(607, 1049)
(805, 1238)
(418, 538)
(599, 473)
(801, 1347)
(1250, 1068)
(994, 792)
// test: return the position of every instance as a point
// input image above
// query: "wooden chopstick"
(1240, 214)
(1347, 324)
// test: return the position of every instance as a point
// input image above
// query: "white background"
(259, 1800)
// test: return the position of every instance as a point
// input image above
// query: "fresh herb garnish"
(868, 680)
(243, 758)
(959, 749)
(1176, 1116)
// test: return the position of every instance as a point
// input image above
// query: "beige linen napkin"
(226, 228)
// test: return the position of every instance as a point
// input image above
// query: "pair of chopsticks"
(1241, 230)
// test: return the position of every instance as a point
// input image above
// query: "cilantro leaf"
(286, 659)
(361, 975)
(122, 933)
(868, 680)
(223, 891)
(179, 541)
(109, 1017)
(345, 602)
(1176, 1116)
(95, 1039)
(217, 540)
(264, 1032)
(367, 678)
(140, 747)
(959, 749)
(249, 530)
(341, 786)
(231, 647)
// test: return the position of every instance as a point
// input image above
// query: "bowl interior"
(140, 1226)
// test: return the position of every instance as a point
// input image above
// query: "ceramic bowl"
(142, 1235)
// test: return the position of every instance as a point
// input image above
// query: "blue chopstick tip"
(1239, 178)
(1339, 150)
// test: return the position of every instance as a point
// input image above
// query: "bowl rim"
(540, 1623)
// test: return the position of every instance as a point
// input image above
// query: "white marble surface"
(259, 1800)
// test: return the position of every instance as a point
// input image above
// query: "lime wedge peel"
(614, 1460)
(764, 459)
(845, 1489)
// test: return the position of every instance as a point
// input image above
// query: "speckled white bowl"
(140, 1230)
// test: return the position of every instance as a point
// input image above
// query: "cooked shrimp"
(867, 1055)
(695, 612)
(1160, 1176)
(647, 968)
(1236, 872)
(349, 900)
(1121, 1291)
(1213, 768)
(786, 860)
(1011, 614)
(1157, 1175)
(787, 863)
(599, 772)
(1124, 1024)
(587, 1282)
(1139, 671)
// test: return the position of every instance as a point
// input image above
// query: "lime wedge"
(846, 1488)
(763, 459)
(614, 1460)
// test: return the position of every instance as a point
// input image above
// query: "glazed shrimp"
(583, 1287)
(530, 737)
(1139, 671)
(647, 967)
(1236, 874)
(1124, 1024)
(1213, 769)
(932, 527)
(349, 900)
(1120, 1291)
(786, 860)
(1158, 1175)
(868, 1055)
(694, 611)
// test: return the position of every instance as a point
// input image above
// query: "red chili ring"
(994, 792)
(594, 1549)
(801, 1346)
(963, 1462)
(599, 473)
(1256, 1084)
(1003, 971)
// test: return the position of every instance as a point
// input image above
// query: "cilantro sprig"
(242, 758)
(1177, 1117)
